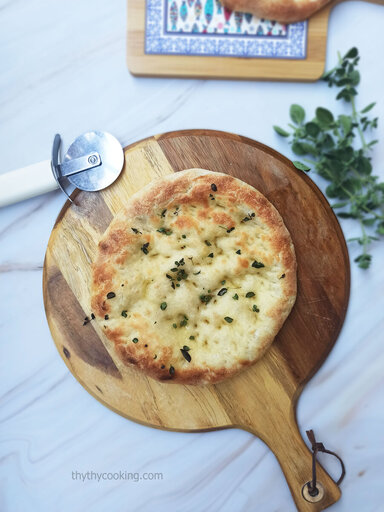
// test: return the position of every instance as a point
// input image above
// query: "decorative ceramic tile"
(205, 27)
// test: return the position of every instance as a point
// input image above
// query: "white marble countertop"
(63, 70)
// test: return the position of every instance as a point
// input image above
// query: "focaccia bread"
(284, 11)
(194, 277)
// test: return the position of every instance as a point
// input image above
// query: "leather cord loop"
(319, 447)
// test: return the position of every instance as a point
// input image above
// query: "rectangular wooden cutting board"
(309, 69)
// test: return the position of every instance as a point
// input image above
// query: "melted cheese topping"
(205, 278)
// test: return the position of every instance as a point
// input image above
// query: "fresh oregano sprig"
(336, 147)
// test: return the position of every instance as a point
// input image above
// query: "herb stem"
(365, 239)
(356, 118)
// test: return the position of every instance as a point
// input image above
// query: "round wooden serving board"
(261, 399)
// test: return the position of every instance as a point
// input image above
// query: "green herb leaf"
(355, 77)
(135, 340)
(300, 166)
(163, 306)
(280, 131)
(312, 129)
(364, 260)
(339, 205)
(124, 313)
(298, 148)
(228, 319)
(297, 114)
(351, 54)
(186, 354)
(235, 297)
(324, 116)
(368, 107)
(165, 231)
(345, 123)
(347, 215)
(249, 295)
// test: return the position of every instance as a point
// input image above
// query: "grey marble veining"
(63, 70)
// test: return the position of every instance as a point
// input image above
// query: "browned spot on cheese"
(242, 242)
(99, 306)
(155, 220)
(102, 273)
(185, 222)
(203, 214)
(117, 238)
(115, 335)
(199, 195)
(121, 259)
(140, 324)
(243, 262)
(222, 219)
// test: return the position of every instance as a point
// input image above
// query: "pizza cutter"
(93, 162)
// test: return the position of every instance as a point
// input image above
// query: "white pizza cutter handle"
(26, 182)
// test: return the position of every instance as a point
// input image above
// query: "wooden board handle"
(295, 460)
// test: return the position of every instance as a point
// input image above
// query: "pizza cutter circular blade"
(93, 161)
(109, 164)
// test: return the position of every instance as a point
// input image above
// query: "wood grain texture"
(261, 399)
(309, 69)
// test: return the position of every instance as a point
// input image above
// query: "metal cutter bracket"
(70, 167)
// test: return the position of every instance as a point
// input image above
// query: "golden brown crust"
(188, 204)
(283, 11)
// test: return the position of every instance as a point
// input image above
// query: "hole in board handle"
(310, 495)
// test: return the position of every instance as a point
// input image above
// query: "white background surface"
(63, 70)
